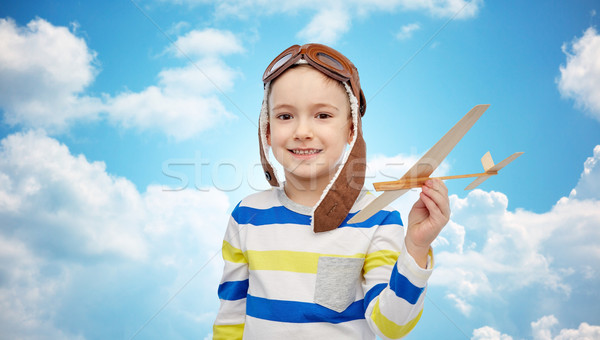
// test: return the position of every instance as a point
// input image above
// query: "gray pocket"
(337, 278)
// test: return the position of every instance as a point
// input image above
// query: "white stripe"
(378, 275)
(262, 200)
(235, 272)
(258, 329)
(409, 268)
(229, 312)
(277, 285)
(343, 241)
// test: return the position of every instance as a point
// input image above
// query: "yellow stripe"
(232, 254)
(228, 332)
(432, 264)
(388, 327)
(290, 261)
(380, 258)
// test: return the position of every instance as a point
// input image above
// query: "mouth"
(305, 152)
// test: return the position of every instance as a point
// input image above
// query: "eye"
(323, 115)
(284, 116)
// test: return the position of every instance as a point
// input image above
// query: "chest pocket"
(337, 279)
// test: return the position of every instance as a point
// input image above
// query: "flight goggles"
(325, 59)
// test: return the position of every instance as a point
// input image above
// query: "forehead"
(304, 79)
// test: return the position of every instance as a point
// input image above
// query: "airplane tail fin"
(490, 168)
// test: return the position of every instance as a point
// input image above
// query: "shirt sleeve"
(233, 289)
(394, 284)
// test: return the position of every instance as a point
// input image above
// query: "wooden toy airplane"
(419, 173)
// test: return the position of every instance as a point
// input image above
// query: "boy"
(294, 267)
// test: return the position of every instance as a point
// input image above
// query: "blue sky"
(128, 134)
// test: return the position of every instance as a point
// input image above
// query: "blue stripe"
(274, 215)
(382, 217)
(300, 312)
(282, 215)
(403, 288)
(393, 217)
(373, 293)
(233, 290)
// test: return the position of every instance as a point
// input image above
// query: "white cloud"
(543, 329)
(461, 8)
(183, 104)
(185, 101)
(460, 304)
(69, 228)
(208, 42)
(584, 332)
(178, 116)
(198, 79)
(580, 77)
(21, 292)
(326, 26)
(45, 70)
(407, 31)
(47, 187)
(588, 186)
(488, 333)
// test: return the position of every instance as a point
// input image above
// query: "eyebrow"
(282, 106)
(317, 106)
(329, 106)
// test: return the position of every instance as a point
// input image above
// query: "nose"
(304, 129)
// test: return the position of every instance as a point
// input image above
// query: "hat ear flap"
(268, 134)
(335, 206)
(267, 168)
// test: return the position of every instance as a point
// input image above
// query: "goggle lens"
(280, 62)
(330, 61)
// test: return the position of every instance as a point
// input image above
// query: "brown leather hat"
(339, 196)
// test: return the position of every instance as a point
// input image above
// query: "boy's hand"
(426, 219)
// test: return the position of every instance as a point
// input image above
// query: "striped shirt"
(283, 281)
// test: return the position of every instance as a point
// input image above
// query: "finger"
(437, 196)
(437, 185)
(442, 187)
(429, 202)
(440, 200)
(419, 204)
(436, 216)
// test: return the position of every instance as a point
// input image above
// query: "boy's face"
(310, 124)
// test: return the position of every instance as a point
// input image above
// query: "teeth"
(305, 152)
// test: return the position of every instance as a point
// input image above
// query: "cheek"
(276, 136)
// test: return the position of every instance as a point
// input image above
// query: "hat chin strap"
(341, 193)
(339, 197)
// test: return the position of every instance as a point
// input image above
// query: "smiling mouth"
(305, 152)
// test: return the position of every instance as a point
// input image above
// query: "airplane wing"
(427, 164)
